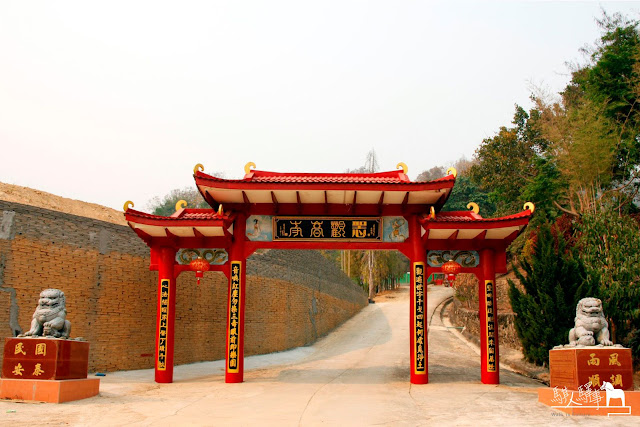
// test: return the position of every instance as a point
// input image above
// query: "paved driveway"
(357, 375)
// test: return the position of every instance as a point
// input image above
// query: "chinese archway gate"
(374, 211)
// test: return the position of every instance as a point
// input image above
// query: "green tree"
(609, 246)
(507, 163)
(554, 280)
(167, 205)
(610, 78)
(466, 191)
(594, 128)
(431, 174)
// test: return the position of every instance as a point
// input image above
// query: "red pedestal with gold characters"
(576, 367)
(45, 359)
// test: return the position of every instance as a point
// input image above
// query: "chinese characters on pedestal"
(31, 365)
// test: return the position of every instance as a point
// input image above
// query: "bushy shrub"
(554, 280)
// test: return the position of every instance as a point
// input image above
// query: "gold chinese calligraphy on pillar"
(163, 329)
(491, 325)
(419, 319)
(234, 317)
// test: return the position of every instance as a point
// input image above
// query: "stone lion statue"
(49, 317)
(591, 326)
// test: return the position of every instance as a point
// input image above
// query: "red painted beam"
(275, 201)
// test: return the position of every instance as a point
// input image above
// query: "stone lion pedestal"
(591, 375)
(593, 380)
(575, 367)
(46, 370)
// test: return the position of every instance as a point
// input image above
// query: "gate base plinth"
(50, 391)
(419, 379)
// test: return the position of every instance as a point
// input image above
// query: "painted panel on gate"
(260, 228)
(395, 229)
(466, 259)
(212, 256)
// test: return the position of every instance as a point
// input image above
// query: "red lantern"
(439, 281)
(451, 269)
(199, 265)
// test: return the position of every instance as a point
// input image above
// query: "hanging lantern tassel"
(199, 266)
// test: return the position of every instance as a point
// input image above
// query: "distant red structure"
(374, 211)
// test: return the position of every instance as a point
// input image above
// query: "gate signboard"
(327, 228)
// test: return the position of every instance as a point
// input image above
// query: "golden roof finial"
(432, 213)
(220, 210)
(128, 204)
(404, 167)
(181, 205)
(474, 207)
(198, 167)
(452, 171)
(530, 206)
(247, 167)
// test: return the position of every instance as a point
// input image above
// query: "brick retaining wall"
(293, 297)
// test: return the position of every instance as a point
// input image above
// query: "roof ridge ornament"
(474, 207)
(452, 171)
(404, 167)
(198, 167)
(530, 206)
(247, 167)
(181, 205)
(128, 204)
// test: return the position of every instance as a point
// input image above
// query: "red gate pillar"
(418, 295)
(489, 363)
(234, 367)
(165, 321)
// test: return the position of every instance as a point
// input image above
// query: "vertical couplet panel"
(166, 314)
(488, 314)
(419, 316)
(418, 311)
(234, 342)
(234, 367)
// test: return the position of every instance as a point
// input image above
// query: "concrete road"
(357, 375)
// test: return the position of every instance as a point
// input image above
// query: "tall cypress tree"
(554, 280)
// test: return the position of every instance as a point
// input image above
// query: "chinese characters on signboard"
(491, 325)
(234, 317)
(163, 330)
(419, 314)
(327, 228)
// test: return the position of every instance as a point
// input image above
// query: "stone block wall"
(293, 297)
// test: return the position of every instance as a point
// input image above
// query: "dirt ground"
(356, 375)
(42, 199)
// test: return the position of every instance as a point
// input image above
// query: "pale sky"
(113, 101)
